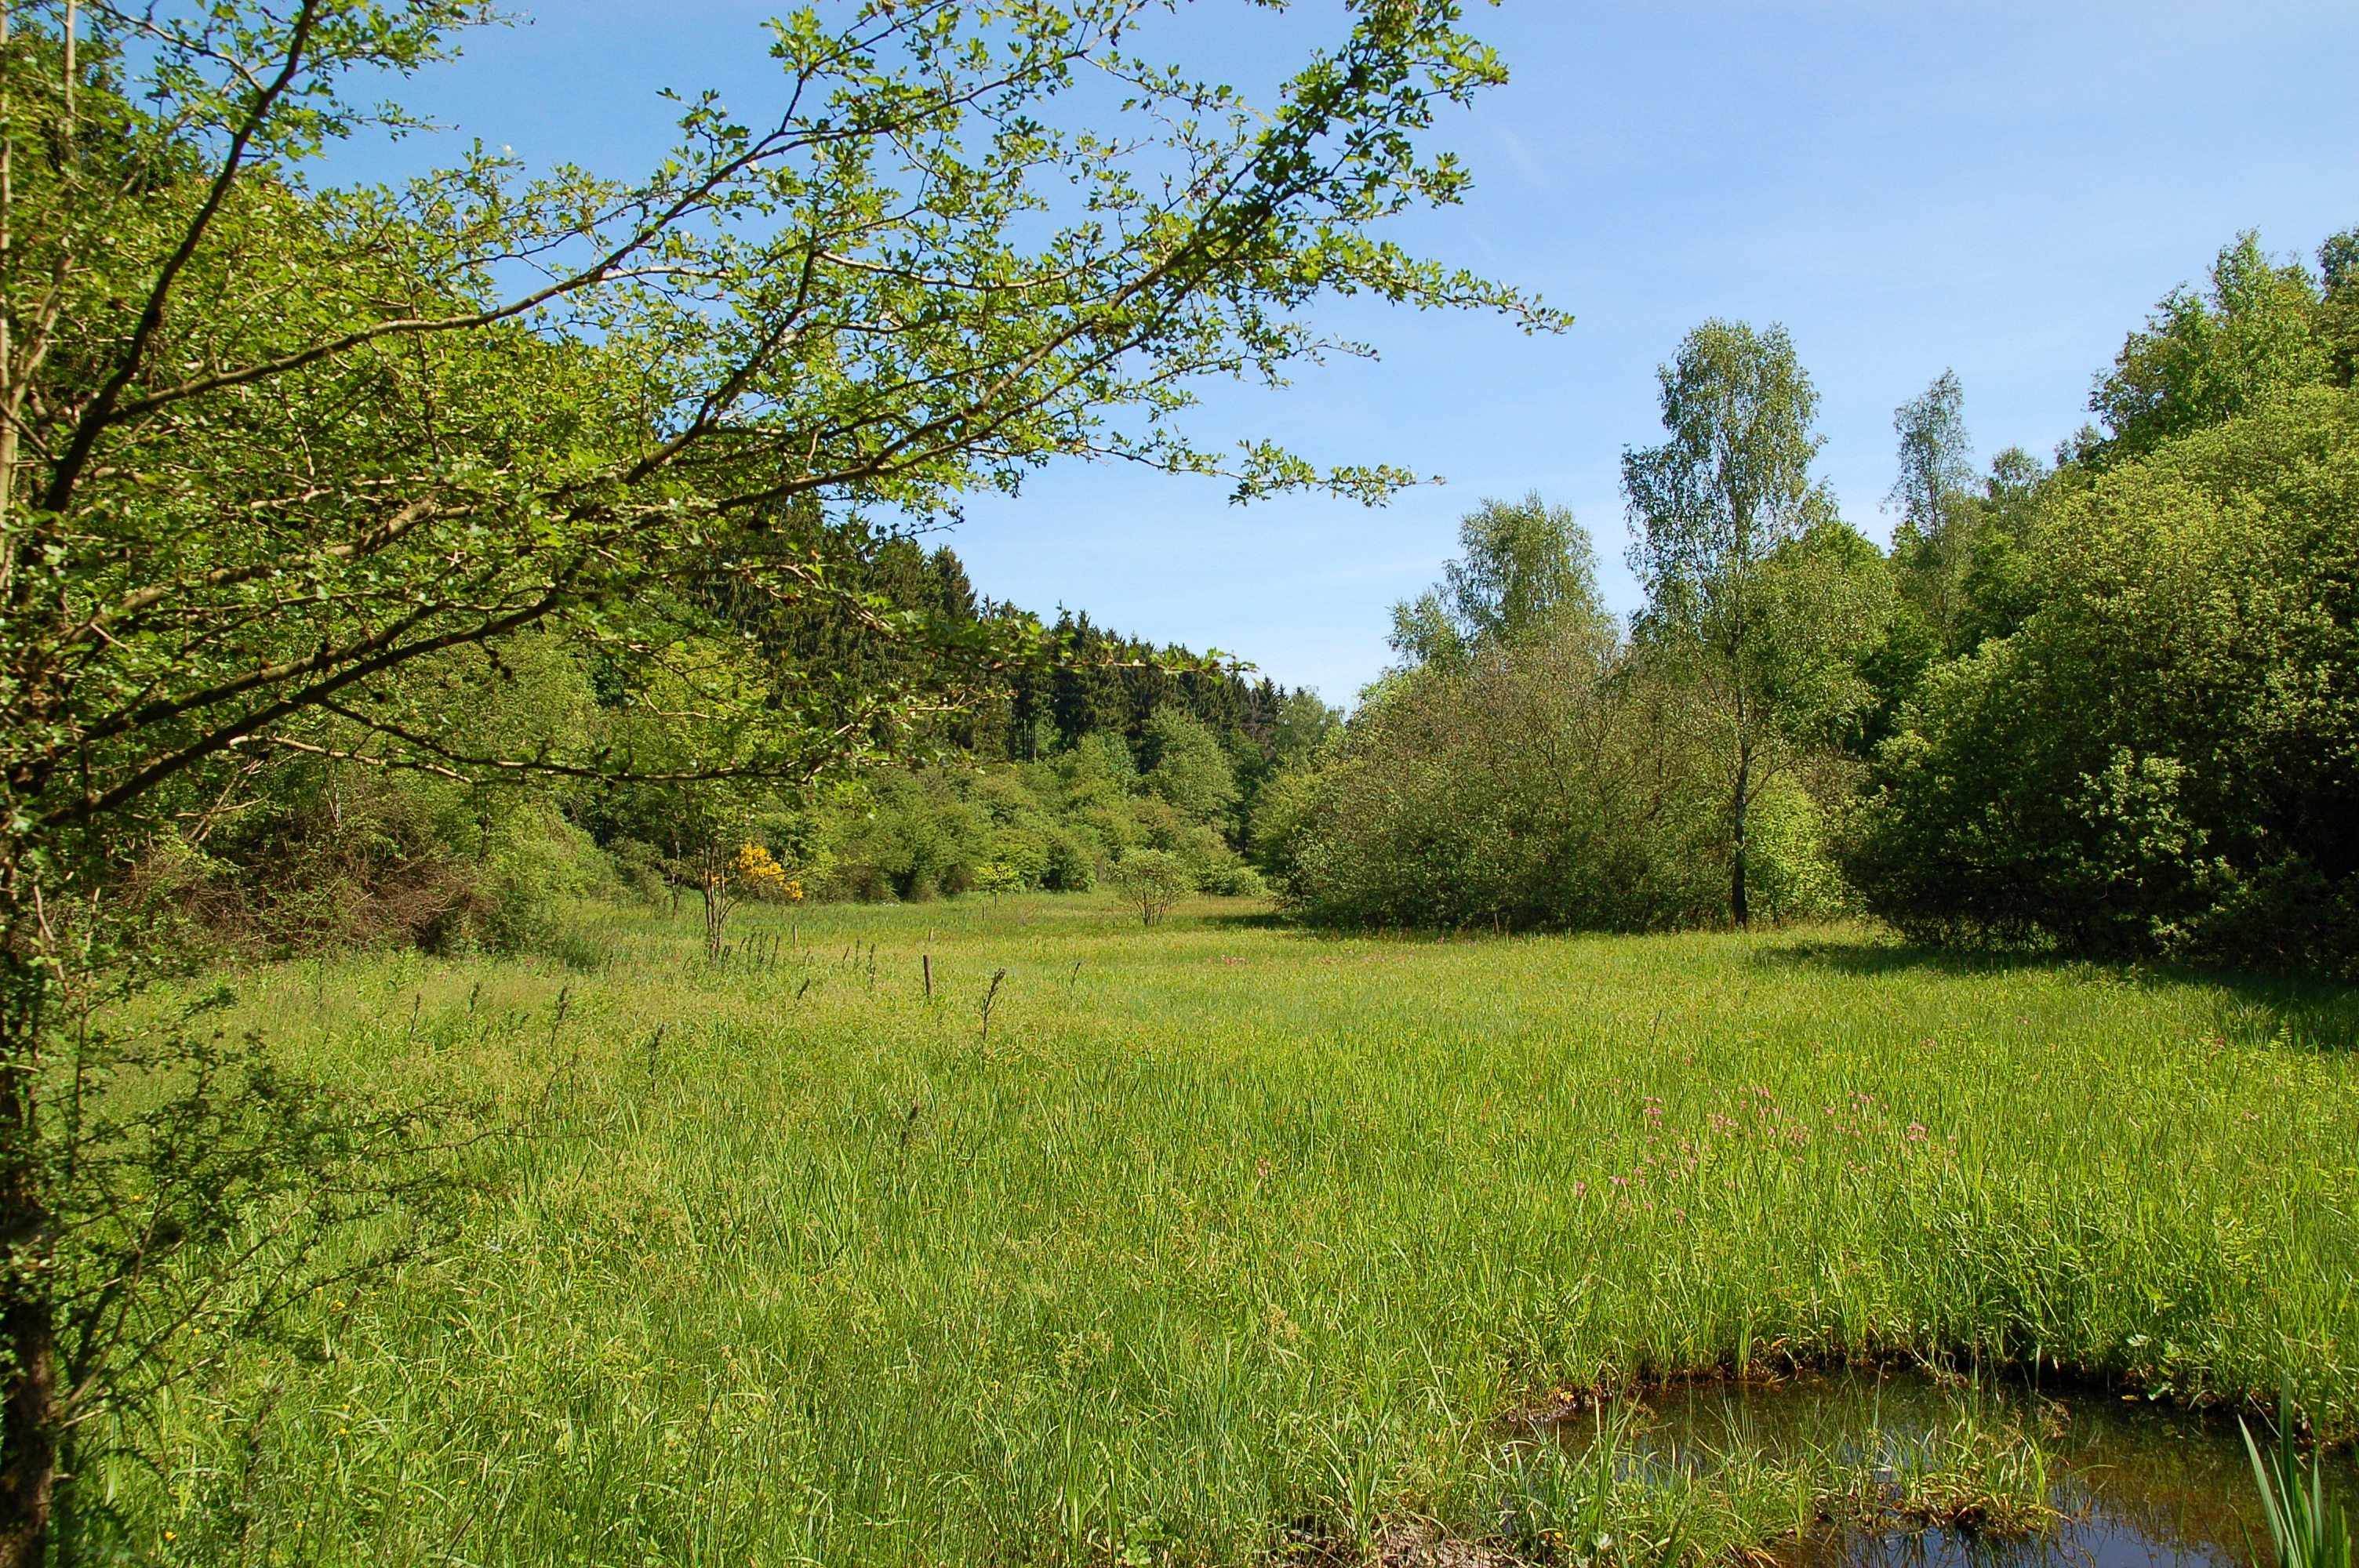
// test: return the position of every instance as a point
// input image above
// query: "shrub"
(1792, 874)
(1549, 785)
(539, 862)
(1073, 861)
(914, 837)
(2159, 761)
(638, 868)
(1152, 880)
(1235, 880)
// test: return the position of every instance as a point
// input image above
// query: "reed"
(2305, 1531)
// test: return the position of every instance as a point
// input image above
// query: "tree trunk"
(1735, 650)
(1736, 906)
(27, 1426)
(29, 1416)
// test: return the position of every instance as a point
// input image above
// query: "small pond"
(2139, 1486)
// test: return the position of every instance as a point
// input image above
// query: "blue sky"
(2003, 189)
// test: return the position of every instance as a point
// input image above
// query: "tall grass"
(1224, 1230)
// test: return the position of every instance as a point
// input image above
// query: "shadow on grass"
(1249, 920)
(2310, 1014)
(1396, 935)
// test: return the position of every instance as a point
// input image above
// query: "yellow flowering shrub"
(757, 867)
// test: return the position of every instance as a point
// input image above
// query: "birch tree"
(1709, 508)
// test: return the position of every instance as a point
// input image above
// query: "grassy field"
(1226, 1230)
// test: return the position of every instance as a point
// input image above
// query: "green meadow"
(1224, 1239)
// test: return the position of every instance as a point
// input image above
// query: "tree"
(1997, 583)
(1300, 725)
(1936, 454)
(2338, 316)
(996, 877)
(1187, 769)
(727, 877)
(1526, 569)
(1708, 509)
(1934, 496)
(266, 448)
(2338, 260)
(2202, 358)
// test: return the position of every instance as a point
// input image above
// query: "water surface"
(2139, 1485)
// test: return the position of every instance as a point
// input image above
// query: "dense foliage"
(2161, 758)
(2103, 704)
(1550, 771)
(2144, 743)
(2107, 706)
(1166, 751)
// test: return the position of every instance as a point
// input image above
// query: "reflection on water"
(2139, 1486)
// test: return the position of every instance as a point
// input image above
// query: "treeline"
(2108, 705)
(1039, 757)
(2102, 703)
(1076, 679)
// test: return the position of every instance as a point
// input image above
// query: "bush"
(1235, 881)
(1152, 880)
(1542, 786)
(538, 863)
(1052, 823)
(330, 858)
(1789, 868)
(639, 872)
(1073, 861)
(915, 838)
